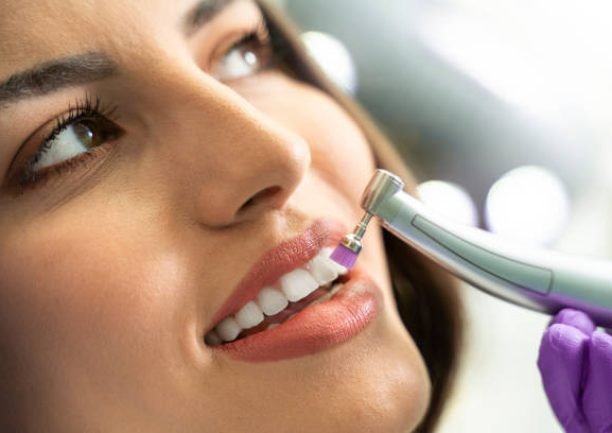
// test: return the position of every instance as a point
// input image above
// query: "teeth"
(325, 253)
(272, 301)
(212, 339)
(335, 289)
(298, 284)
(249, 316)
(228, 329)
(323, 270)
(295, 286)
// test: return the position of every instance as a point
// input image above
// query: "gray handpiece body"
(537, 279)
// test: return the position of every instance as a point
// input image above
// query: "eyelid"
(30, 146)
(235, 20)
(57, 172)
(258, 40)
(234, 39)
(84, 108)
(81, 108)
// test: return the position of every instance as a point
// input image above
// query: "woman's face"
(159, 171)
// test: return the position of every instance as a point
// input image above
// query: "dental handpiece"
(540, 280)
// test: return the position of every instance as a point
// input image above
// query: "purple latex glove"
(576, 366)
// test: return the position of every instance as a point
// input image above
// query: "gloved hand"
(575, 363)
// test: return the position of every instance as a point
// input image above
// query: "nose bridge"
(238, 161)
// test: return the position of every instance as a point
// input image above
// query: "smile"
(295, 301)
(311, 284)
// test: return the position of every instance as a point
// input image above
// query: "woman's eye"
(71, 140)
(77, 137)
(248, 56)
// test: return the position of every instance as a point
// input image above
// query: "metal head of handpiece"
(382, 186)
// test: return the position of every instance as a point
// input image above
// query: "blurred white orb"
(449, 200)
(334, 58)
(530, 205)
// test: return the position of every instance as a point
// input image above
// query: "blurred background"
(501, 109)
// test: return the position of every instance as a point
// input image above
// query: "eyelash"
(88, 109)
(83, 109)
(277, 49)
(259, 34)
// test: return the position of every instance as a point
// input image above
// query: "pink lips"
(317, 327)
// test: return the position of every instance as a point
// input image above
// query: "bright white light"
(524, 51)
(449, 200)
(529, 205)
(334, 59)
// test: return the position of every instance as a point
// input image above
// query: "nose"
(257, 167)
(238, 162)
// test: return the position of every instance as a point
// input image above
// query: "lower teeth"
(335, 289)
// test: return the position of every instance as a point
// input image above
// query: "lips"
(323, 318)
(293, 292)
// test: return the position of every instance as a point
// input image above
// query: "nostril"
(261, 196)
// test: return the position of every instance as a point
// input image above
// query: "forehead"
(32, 31)
(26, 12)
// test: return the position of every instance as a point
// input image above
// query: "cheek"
(63, 273)
(92, 308)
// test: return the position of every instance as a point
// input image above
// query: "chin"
(392, 395)
(375, 383)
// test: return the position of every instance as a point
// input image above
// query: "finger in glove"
(598, 384)
(561, 361)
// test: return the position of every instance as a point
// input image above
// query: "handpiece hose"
(537, 279)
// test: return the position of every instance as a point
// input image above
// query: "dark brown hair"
(426, 295)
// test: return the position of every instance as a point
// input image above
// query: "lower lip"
(317, 328)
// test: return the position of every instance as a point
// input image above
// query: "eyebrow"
(70, 71)
(56, 74)
(202, 13)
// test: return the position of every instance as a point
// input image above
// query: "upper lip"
(274, 263)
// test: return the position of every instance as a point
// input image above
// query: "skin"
(111, 272)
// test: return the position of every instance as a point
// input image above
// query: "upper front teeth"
(250, 315)
(271, 301)
(294, 286)
(298, 284)
(321, 270)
